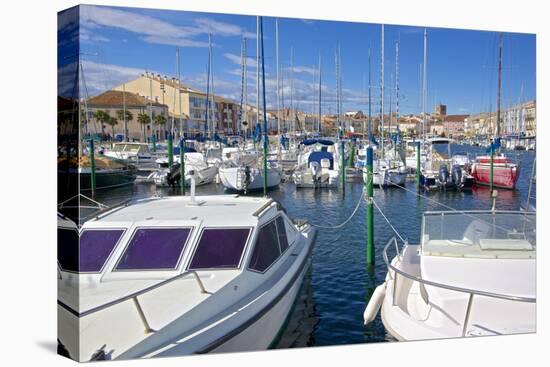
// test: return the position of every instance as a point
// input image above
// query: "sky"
(118, 44)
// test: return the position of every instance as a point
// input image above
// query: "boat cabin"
(175, 264)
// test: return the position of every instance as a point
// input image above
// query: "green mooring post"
(154, 142)
(170, 151)
(92, 167)
(370, 216)
(351, 155)
(343, 169)
(418, 165)
(182, 167)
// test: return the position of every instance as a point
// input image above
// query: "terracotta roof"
(117, 98)
(455, 118)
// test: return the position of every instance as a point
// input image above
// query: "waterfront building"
(186, 105)
(112, 103)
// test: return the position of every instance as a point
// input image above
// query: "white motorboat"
(180, 275)
(244, 177)
(387, 173)
(195, 166)
(321, 171)
(318, 165)
(472, 274)
(134, 153)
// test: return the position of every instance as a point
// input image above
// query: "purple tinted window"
(95, 248)
(281, 229)
(154, 249)
(266, 250)
(67, 249)
(220, 248)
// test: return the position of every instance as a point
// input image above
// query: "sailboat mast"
(207, 125)
(257, 70)
(292, 119)
(245, 90)
(319, 93)
(264, 107)
(278, 78)
(211, 60)
(179, 91)
(497, 132)
(123, 112)
(314, 102)
(424, 94)
(150, 105)
(370, 116)
(397, 82)
(382, 94)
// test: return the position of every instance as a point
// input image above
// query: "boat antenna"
(278, 78)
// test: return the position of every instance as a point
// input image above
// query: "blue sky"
(121, 43)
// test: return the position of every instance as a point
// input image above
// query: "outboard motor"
(246, 178)
(443, 175)
(456, 173)
(173, 176)
(315, 170)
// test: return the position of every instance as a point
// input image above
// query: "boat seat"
(505, 244)
(325, 163)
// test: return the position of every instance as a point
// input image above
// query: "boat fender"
(375, 303)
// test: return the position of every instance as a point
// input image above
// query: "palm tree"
(129, 117)
(102, 117)
(159, 120)
(112, 121)
(143, 120)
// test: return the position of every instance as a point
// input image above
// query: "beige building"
(186, 105)
(112, 102)
(517, 120)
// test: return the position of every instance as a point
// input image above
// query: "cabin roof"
(213, 210)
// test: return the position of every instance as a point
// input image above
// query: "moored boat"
(505, 172)
(180, 275)
(472, 274)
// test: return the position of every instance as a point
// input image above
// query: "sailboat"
(504, 173)
(388, 169)
(242, 169)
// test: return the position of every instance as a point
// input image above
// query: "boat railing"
(471, 292)
(134, 296)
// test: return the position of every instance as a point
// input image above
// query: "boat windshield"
(503, 234)
(220, 248)
(95, 248)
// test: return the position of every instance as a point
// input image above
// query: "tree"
(129, 117)
(112, 121)
(102, 117)
(143, 120)
(160, 120)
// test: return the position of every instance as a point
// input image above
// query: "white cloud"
(153, 30)
(236, 59)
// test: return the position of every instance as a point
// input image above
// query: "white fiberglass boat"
(472, 274)
(242, 177)
(387, 173)
(134, 153)
(318, 164)
(179, 275)
(195, 164)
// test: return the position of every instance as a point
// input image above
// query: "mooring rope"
(347, 220)
(388, 221)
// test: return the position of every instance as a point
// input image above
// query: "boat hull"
(505, 176)
(235, 178)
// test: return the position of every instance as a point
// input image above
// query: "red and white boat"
(505, 172)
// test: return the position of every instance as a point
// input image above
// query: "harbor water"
(329, 310)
